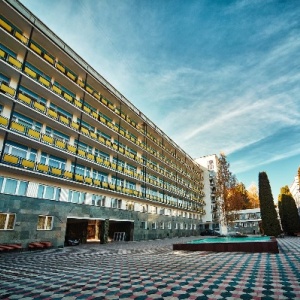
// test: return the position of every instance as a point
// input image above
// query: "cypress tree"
(288, 212)
(270, 222)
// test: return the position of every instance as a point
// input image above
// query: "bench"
(10, 247)
(39, 245)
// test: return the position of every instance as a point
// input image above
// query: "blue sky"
(215, 76)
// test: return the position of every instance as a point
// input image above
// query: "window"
(48, 192)
(27, 122)
(45, 223)
(176, 225)
(145, 208)
(53, 161)
(115, 203)
(76, 197)
(143, 225)
(100, 176)
(57, 134)
(13, 186)
(7, 221)
(162, 225)
(81, 170)
(19, 150)
(153, 225)
(130, 185)
(130, 206)
(98, 200)
(169, 225)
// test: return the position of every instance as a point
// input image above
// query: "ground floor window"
(143, 225)
(45, 223)
(153, 225)
(7, 221)
(13, 186)
(48, 192)
(116, 203)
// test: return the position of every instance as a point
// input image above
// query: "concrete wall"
(28, 209)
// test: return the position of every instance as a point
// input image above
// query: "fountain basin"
(231, 244)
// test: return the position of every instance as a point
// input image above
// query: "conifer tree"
(288, 212)
(270, 222)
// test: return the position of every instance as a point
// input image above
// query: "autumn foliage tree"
(288, 212)
(231, 195)
(270, 222)
(253, 196)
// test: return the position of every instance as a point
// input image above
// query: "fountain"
(236, 243)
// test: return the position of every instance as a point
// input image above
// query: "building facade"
(212, 218)
(247, 221)
(77, 159)
(295, 191)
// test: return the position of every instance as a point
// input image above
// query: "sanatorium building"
(77, 159)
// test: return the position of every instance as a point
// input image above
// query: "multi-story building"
(212, 218)
(246, 221)
(77, 159)
(295, 191)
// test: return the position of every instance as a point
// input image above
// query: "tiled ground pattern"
(150, 270)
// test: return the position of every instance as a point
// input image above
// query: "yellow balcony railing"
(97, 182)
(7, 89)
(78, 177)
(88, 180)
(56, 171)
(71, 148)
(64, 120)
(30, 72)
(99, 160)
(18, 127)
(2, 53)
(48, 139)
(68, 175)
(43, 168)
(87, 109)
(60, 67)
(75, 125)
(44, 81)
(27, 164)
(56, 89)
(3, 121)
(35, 49)
(53, 114)
(24, 99)
(81, 152)
(60, 144)
(78, 103)
(39, 106)
(93, 135)
(6, 26)
(70, 75)
(33, 133)
(68, 97)
(90, 156)
(11, 159)
(49, 58)
(15, 62)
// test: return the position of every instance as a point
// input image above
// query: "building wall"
(295, 191)
(27, 211)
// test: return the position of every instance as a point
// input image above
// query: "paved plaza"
(150, 270)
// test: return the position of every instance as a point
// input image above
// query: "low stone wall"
(252, 247)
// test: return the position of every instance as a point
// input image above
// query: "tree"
(225, 190)
(253, 196)
(288, 212)
(270, 222)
